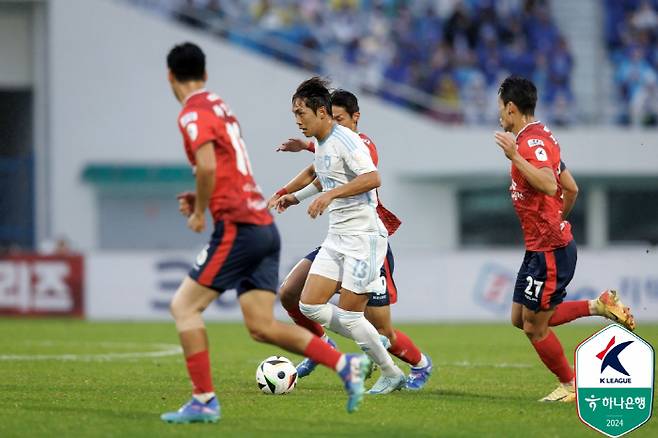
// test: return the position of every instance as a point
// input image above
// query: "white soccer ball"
(276, 375)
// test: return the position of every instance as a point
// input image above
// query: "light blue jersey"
(340, 158)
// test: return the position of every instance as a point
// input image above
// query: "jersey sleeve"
(356, 158)
(536, 150)
(562, 166)
(197, 128)
(371, 148)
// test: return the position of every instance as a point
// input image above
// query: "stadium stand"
(631, 29)
(443, 58)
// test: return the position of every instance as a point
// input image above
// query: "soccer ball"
(276, 375)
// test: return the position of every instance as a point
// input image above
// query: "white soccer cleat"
(388, 384)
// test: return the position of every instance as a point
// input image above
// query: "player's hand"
(320, 204)
(196, 222)
(286, 201)
(271, 203)
(186, 202)
(507, 143)
(292, 145)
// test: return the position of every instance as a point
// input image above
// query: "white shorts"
(355, 261)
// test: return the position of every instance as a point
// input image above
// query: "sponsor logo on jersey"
(192, 131)
(515, 194)
(186, 118)
(535, 142)
(541, 155)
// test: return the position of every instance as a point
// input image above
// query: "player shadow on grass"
(451, 393)
(124, 415)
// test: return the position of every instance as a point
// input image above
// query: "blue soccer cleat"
(418, 377)
(194, 411)
(353, 374)
(307, 366)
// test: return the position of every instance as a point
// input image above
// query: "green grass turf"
(473, 391)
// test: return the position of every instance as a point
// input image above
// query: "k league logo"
(614, 381)
(610, 358)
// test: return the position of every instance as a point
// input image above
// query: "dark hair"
(521, 92)
(345, 99)
(315, 94)
(187, 62)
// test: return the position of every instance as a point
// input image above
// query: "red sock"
(568, 311)
(551, 353)
(405, 349)
(302, 321)
(321, 352)
(198, 366)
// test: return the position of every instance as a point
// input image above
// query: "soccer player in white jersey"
(353, 252)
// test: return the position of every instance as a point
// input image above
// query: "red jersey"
(388, 218)
(540, 214)
(236, 197)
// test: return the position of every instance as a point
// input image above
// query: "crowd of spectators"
(444, 58)
(631, 30)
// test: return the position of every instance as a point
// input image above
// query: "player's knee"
(176, 308)
(259, 331)
(320, 313)
(534, 332)
(289, 299)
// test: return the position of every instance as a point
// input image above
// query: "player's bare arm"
(569, 192)
(361, 184)
(541, 179)
(301, 180)
(291, 199)
(206, 166)
(294, 145)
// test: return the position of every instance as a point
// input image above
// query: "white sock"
(367, 337)
(423, 362)
(341, 363)
(325, 315)
(204, 397)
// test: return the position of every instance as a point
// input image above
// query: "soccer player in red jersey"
(243, 252)
(550, 259)
(345, 111)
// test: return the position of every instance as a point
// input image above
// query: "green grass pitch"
(486, 382)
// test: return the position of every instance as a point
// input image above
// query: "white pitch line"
(164, 350)
(467, 364)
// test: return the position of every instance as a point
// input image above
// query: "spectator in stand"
(438, 48)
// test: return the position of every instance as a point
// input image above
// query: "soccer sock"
(568, 311)
(367, 337)
(198, 367)
(205, 397)
(321, 352)
(302, 321)
(423, 362)
(551, 353)
(405, 349)
(325, 315)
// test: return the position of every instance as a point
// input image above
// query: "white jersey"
(340, 158)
